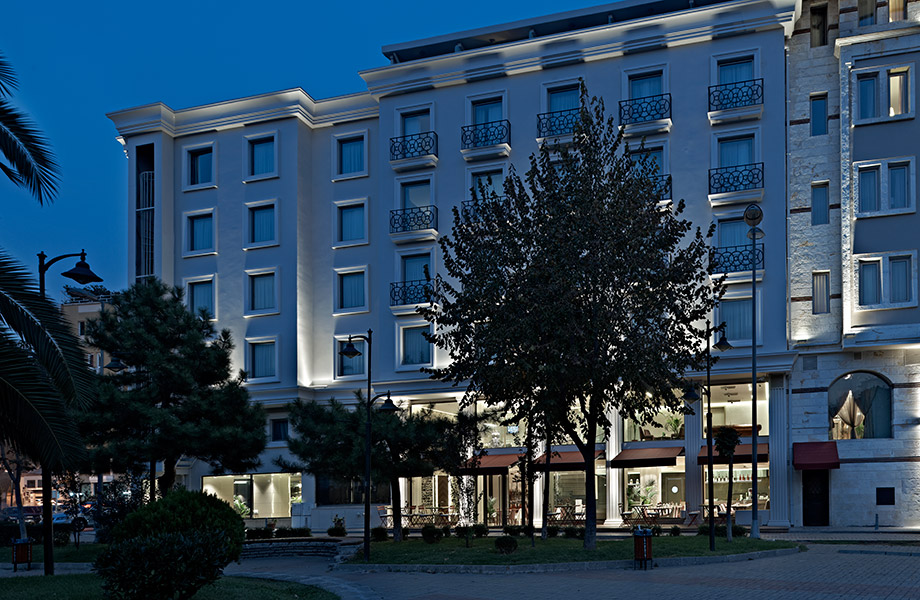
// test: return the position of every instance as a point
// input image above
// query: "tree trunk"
(168, 480)
(153, 480)
(397, 509)
(590, 494)
(728, 515)
(549, 452)
(17, 493)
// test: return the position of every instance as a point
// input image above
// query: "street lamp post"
(753, 215)
(82, 274)
(349, 351)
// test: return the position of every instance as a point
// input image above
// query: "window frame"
(410, 109)
(723, 57)
(249, 356)
(743, 294)
(248, 140)
(884, 259)
(272, 442)
(338, 205)
(717, 138)
(472, 99)
(187, 217)
(884, 186)
(399, 182)
(248, 207)
(549, 87)
(827, 292)
(823, 120)
(187, 282)
(821, 8)
(187, 185)
(344, 136)
(248, 311)
(338, 340)
(874, 13)
(336, 290)
(881, 75)
(479, 168)
(400, 343)
(826, 185)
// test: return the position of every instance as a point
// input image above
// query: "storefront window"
(657, 486)
(666, 425)
(339, 490)
(568, 492)
(859, 407)
(731, 406)
(257, 496)
(742, 486)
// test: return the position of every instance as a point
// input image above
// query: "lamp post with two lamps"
(82, 274)
(722, 345)
(349, 351)
(753, 215)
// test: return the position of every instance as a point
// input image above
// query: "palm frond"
(8, 80)
(27, 153)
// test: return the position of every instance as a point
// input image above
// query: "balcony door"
(643, 86)
(734, 152)
(416, 122)
(735, 71)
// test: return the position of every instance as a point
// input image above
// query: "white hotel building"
(299, 222)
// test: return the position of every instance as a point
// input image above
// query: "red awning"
(490, 464)
(647, 457)
(565, 461)
(743, 454)
(815, 456)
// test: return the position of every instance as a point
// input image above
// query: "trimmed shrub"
(656, 530)
(506, 544)
(181, 511)
(432, 534)
(336, 531)
(574, 532)
(165, 565)
(513, 530)
(292, 532)
(480, 530)
(379, 534)
(462, 531)
(445, 531)
(10, 532)
(552, 530)
(527, 530)
(737, 530)
(675, 531)
(62, 534)
(259, 533)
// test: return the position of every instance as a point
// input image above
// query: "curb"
(600, 565)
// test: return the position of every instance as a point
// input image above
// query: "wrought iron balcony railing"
(736, 95)
(560, 122)
(734, 259)
(416, 218)
(736, 179)
(471, 207)
(485, 134)
(416, 144)
(649, 108)
(662, 186)
(411, 292)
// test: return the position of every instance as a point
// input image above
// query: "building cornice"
(891, 30)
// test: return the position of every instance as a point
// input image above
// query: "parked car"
(80, 522)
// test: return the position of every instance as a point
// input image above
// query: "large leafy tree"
(576, 293)
(177, 397)
(330, 441)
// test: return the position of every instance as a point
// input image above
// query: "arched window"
(859, 407)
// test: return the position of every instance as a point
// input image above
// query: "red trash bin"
(642, 550)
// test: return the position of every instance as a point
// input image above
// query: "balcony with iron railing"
(414, 224)
(738, 101)
(406, 293)
(485, 140)
(414, 151)
(662, 185)
(738, 183)
(472, 207)
(641, 116)
(559, 123)
(736, 259)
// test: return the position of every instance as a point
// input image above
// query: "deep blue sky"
(77, 61)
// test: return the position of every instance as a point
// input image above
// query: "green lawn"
(89, 587)
(68, 554)
(453, 551)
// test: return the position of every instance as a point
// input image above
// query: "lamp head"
(349, 351)
(722, 345)
(753, 215)
(81, 273)
(388, 406)
(690, 394)
(115, 365)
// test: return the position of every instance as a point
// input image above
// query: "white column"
(614, 476)
(308, 493)
(693, 439)
(779, 455)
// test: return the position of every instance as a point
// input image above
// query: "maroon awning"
(647, 457)
(814, 456)
(565, 461)
(743, 454)
(490, 464)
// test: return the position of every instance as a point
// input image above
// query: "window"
(81, 328)
(201, 296)
(486, 183)
(868, 96)
(414, 267)
(564, 98)
(736, 313)
(642, 86)
(820, 204)
(416, 194)
(820, 293)
(733, 232)
(351, 155)
(261, 224)
(279, 429)
(200, 232)
(819, 115)
(897, 10)
(900, 279)
(262, 359)
(416, 350)
(898, 97)
(898, 182)
(859, 407)
(261, 156)
(818, 26)
(735, 152)
(351, 290)
(351, 223)
(870, 283)
(345, 366)
(655, 159)
(339, 490)
(200, 166)
(262, 292)
(736, 70)
(866, 11)
(884, 496)
(869, 190)
(487, 111)
(416, 122)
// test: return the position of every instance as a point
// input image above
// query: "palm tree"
(726, 440)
